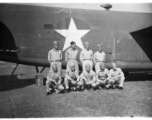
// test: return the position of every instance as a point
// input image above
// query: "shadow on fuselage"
(144, 76)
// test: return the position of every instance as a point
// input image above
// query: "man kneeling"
(89, 77)
(72, 79)
(117, 76)
(54, 81)
(103, 77)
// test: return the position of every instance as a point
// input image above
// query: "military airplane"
(27, 32)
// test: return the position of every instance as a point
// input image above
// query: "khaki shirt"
(54, 55)
(115, 74)
(90, 76)
(71, 54)
(86, 55)
(55, 76)
(72, 74)
(102, 75)
(99, 56)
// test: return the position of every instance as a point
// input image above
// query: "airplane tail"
(144, 39)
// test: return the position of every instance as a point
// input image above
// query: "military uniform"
(117, 77)
(72, 79)
(71, 57)
(86, 57)
(89, 78)
(55, 57)
(103, 78)
(54, 82)
(99, 57)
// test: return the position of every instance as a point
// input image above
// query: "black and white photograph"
(75, 60)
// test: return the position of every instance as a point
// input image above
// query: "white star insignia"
(72, 34)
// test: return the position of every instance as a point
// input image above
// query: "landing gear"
(10, 77)
(37, 69)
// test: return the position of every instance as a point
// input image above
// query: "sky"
(117, 5)
(129, 7)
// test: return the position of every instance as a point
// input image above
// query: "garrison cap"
(56, 43)
(87, 43)
(98, 45)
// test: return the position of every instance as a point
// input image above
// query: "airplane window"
(48, 26)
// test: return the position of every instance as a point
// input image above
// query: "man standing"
(99, 57)
(72, 79)
(89, 77)
(54, 81)
(86, 56)
(71, 56)
(103, 77)
(55, 56)
(117, 76)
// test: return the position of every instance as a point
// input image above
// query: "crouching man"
(117, 76)
(54, 81)
(72, 79)
(103, 77)
(89, 77)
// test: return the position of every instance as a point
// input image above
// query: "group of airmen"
(88, 79)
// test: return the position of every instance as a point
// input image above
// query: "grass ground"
(23, 99)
